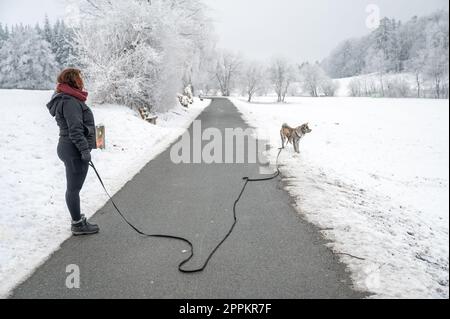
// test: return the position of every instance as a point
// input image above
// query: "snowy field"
(34, 220)
(374, 176)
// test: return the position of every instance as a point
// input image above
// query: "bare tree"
(377, 62)
(328, 86)
(417, 65)
(437, 70)
(227, 70)
(290, 78)
(253, 79)
(312, 76)
(281, 76)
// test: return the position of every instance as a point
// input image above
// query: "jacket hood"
(52, 105)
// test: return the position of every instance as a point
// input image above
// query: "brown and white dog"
(293, 135)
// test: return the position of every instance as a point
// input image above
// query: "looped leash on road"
(186, 241)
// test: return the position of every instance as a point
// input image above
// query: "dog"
(293, 135)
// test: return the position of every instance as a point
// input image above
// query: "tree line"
(142, 53)
(235, 74)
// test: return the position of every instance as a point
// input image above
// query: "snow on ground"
(374, 176)
(34, 220)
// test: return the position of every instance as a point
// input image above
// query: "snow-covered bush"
(355, 88)
(188, 94)
(398, 87)
(395, 86)
(328, 87)
(184, 100)
(315, 81)
(137, 52)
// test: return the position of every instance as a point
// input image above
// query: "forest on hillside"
(419, 47)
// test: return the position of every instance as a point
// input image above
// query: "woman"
(77, 139)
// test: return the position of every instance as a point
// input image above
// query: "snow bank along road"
(33, 216)
(272, 253)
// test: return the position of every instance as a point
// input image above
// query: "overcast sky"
(297, 29)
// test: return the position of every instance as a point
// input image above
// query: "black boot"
(83, 227)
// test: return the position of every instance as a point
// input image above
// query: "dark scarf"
(79, 94)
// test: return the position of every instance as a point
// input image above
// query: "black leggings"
(76, 172)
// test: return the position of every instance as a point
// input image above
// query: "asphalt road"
(273, 252)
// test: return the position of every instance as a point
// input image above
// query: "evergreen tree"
(26, 61)
(63, 45)
(38, 29)
(3, 33)
(56, 38)
(48, 33)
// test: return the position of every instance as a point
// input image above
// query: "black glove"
(86, 156)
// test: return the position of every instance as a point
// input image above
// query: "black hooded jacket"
(75, 120)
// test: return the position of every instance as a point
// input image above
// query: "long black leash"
(180, 266)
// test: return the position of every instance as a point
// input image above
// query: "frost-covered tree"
(26, 61)
(47, 32)
(253, 79)
(138, 52)
(437, 66)
(58, 38)
(4, 34)
(282, 75)
(437, 70)
(387, 42)
(62, 44)
(197, 33)
(203, 76)
(227, 71)
(313, 78)
(377, 62)
(417, 65)
(348, 59)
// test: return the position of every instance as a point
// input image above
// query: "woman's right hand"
(86, 156)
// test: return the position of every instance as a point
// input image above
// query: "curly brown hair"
(72, 77)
